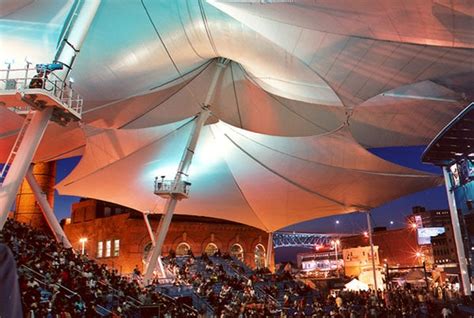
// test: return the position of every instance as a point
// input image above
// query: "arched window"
(211, 249)
(237, 251)
(260, 256)
(182, 249)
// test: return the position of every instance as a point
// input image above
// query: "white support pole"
(148, 227)
(463, 268)
(268, 260)
(47, 210)
(153, 242)
(182, 170)
(29, 143)
(76, 35)
(34, 132)
(369, 230)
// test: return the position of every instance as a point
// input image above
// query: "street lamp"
(83, 241)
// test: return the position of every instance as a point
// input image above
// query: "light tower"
(42, 97)
(178, 188)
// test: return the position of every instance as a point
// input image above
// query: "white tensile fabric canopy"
(264, 181)
(309, 87)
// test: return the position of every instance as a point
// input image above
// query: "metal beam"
(35, 130)
(183, 168)
(26, 151)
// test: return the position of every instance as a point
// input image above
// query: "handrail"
(134, 300)
(55, 284)
(171, 299)
(23, 79)
(257, 288)
(206, 303)
(103, 308)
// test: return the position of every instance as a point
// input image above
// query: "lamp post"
(83, 241)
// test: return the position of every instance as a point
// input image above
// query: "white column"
(148, 227)
(36, 128)
(47, 210)
(369, 230)
(76, 35)
(466, 284)
(29, 143)
(172, 200)
(182, 170)
(269, 255)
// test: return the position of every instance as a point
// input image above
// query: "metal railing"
(20, 79)
(170, 186)
(40, 277)
(261, 293)
(131, 300)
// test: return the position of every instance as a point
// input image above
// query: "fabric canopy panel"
(408, 115)
(264, 181)
(300, 68)
(437, 22)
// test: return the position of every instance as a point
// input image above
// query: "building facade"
(357, 259)
(117, 236)
(443, 245)
(396, 248)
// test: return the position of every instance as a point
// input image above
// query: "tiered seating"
(56, 281)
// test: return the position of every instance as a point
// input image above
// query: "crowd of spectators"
(56, 282)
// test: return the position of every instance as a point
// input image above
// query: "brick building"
(395, 247)
(117, 236)
(443, 245)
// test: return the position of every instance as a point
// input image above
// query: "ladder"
(16, 146)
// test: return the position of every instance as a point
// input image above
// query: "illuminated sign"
(426, 233)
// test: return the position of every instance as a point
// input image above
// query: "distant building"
(320, 260)
(397, 248)
(117, 236)
(358, 258)
(443, 245)
(431, 218)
